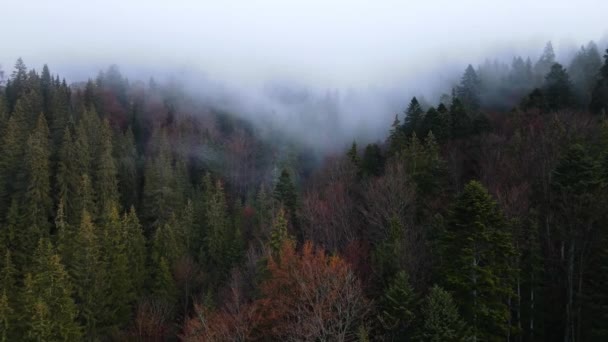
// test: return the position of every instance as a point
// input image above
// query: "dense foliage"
(131, 212)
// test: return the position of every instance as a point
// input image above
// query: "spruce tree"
(397, 307)
(558, 88)
(83, 150)
(126, 164)
(12, 161)
(136, 249)
(413, 117)
(38, 202)
(544, 63)
(106, 183)
(278, 232)
(118, 282)
(396, 137)
(583, 70)
(9, 303)
(68, 179)
(476, 262)
(84, 200)
(372, 162)
(440, 319)
(599, 95)
(49, 311)
(353, 155)
(285, 192)
(88, 276)
(459, 119)
(469, 90)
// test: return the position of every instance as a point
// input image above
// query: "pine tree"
(49, 311)
(397, 307)
(476, 253)
(440, 319)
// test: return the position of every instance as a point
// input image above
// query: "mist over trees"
(132, 211)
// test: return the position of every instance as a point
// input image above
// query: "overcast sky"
(328, 41)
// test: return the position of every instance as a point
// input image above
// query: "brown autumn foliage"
(307, 296)
(328, 206)
(152, 321)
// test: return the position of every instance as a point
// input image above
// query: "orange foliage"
(308, 296)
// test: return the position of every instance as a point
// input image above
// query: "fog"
(366, 58)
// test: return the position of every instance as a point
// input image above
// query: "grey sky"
(336, 42)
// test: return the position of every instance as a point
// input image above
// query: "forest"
(129, 211)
